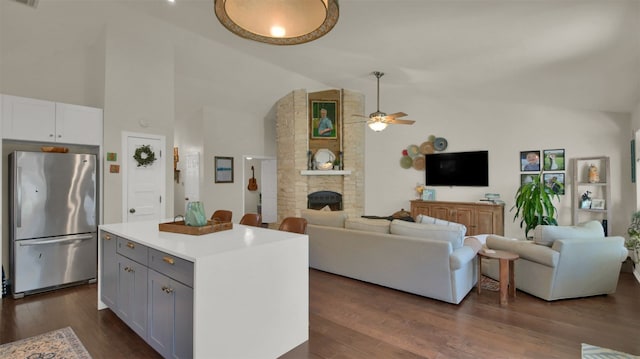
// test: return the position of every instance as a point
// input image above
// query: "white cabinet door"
(28, 119)
(78, 124)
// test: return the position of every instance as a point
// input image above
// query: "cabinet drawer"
(133, 250)
(171, 266)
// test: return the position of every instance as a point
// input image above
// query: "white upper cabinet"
(78, 124)
(45, 121)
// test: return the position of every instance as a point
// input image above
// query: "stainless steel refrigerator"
(53, 215)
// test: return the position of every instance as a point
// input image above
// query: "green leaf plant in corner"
(534, 204)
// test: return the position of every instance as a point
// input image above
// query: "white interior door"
(269, 183)
(145, 185)
(192, 179)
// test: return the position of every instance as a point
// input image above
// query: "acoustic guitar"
(253, 185)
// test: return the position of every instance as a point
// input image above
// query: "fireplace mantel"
(325, 172)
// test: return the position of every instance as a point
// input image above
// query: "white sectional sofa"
(563, 261)
(432, 260)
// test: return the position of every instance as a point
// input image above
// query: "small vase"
(195, 215)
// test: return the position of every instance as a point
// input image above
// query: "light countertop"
(194, 247)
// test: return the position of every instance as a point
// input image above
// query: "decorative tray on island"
(181, 227)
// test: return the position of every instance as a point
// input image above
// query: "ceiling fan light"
(377, 126)
(300, 21)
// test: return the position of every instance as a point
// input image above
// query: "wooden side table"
(507, 274)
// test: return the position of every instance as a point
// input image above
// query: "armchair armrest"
(525, 249)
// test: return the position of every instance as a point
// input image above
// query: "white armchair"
(563, 261)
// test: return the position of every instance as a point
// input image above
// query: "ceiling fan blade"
(399, 122)
(397, 114)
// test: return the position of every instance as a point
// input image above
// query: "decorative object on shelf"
(323, 159)
(597, 203)
(144, 156)
(284, 22)
(529, 161)
(534, 203)
(440, 144)
(594, 174)
(195, 216)
(419, 189)
(585, 200)
(54, 149)
(341, 159)
(309, 160)
(633, 243)
(553, 160)
(428, 194)
(223, 169)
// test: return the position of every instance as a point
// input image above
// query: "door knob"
(132, 210)
(186, 198)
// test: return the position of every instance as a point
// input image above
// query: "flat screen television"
(457, 169)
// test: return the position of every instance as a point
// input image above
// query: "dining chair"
(252, 219)
(222, 215)
(294, 224)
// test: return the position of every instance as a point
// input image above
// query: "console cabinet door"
(109, 270)
(490, 220)
(170, 330)
(28, 119)
(464, 215)
(132, 295)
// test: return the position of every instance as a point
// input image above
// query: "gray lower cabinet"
(131, 304)
(109, 269)
(151, 291)
(170, 330)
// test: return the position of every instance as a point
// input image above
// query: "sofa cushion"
(546, 235)
(367, 225)
(451, 234)
(421, 218)
(324, 218)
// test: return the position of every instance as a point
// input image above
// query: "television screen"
(457, 169)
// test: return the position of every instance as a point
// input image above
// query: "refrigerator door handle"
(61, 240)
(19, 197)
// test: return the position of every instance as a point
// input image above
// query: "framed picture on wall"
(555, 181)
(526, 178)
(553, 160)
(224, 169)
(323, 120)
(530, 161)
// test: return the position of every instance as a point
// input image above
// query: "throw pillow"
(431, 220)
(367, 225)
(324, 218)
(545, 235)
(452, 234)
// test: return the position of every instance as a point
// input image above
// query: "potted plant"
(534, 204)
(633, 243)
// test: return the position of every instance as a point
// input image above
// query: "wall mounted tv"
(457, 169)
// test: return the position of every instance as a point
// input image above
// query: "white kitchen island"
(250, 285)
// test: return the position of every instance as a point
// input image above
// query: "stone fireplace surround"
(292, 136)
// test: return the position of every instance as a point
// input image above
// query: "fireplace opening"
(320, 199)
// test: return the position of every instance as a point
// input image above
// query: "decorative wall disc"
(426, 147)
(418, 163)
(440, 144)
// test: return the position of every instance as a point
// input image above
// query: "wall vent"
(32, 3)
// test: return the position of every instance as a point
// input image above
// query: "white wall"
(504, 130)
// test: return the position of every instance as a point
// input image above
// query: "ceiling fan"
(378, 120)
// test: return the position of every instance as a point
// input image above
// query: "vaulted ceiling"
(574, 53)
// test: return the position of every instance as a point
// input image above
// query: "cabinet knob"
(128, 269)
(59, 136)
(169, 260)
(51, 135)
(131, 245)
(106, 237)
(167, 290)
(132, 210)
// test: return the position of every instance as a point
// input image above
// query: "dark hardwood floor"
(352, 319)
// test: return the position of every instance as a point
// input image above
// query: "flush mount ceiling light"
(278, 22)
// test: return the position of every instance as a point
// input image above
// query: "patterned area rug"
(61, 343)
(594, 352)
(489, 284)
